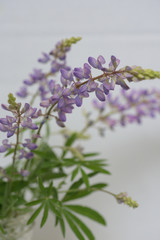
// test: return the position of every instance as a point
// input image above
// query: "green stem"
(93, 189)
(10, 181)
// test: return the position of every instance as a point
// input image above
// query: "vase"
(16, 228)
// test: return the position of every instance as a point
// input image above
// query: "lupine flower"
(45, 58)
(24, 154)
(24, 173)
(68, 75)
(37, 75)
(97, 63)
(22, 92)
(5, 145)
(134, 105)
(29, 144)
(82, 73)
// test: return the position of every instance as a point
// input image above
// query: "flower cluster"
(61, 89)
(57, 60)
(22, 117)
(129, 107)
(123, 198)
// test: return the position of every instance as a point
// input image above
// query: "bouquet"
(46, 177)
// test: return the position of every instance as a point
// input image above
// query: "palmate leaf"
(46, 152)
(76, 185)
(81, 225)
(74, 173)
(87, 212)
(73, 226)
(2, 229)
(86, 155)
(35, 214)
(45, 214)
(97, 169)
(33, 203)
(53, 208)
(85, 178)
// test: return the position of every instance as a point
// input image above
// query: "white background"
(131, 31)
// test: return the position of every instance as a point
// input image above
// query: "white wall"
(131, 31)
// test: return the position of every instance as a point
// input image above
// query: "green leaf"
(45, 215)
(35, 214)
(45, 151)
(70, 195)
(40, 183)
(90, 154)
(74, 173)
(33, 203)
(74, 227)
(10, 151)
(62, 225)
(50, 175)
(98, 169)
(88, 212)
(2, 229)
(53, 208)
(83, 226)
(85, 178)
(47, 129)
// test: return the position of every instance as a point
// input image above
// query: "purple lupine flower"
(22, 92)
(114, 63)
(5, 145)
(8, 125)
(81, 93)
(99, 105)
(59, 122)
(45, 58)
(29, 144)
(24, 173)
(56, 66)
(30, 112)
(97, 63)
(37, 75)
(82, 73)
(59, 51)
(100, 94)
(68, 75)
(24, 154)
(27, 123)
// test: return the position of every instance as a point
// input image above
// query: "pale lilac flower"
(29, 144)
(22, 92)
(97, 63)
(24, 173)
(45, 58)
(5, 145)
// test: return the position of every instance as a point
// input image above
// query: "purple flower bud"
(99, 94)
(29, 144)
(24, 173)
(22, 92)
(44, 59)
(45, 103)
(62, 116)
(5, 145)
(97, 63)
(68, 75)
(5, 107)
(78, 100)
(27, 123)
(30, 112)
(24, 154)
(114, 63)
(59, 123)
